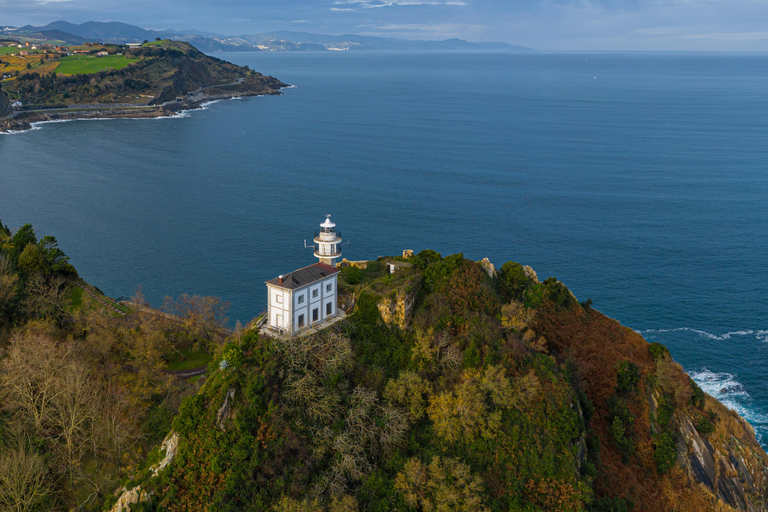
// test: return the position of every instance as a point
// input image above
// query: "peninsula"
(92, 80)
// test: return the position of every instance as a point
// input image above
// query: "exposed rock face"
(223, 413)
(732, 470)
(362, 264)
(397, 307)
(731, 465)
(488, 267)
(531, 274)
(128, 498)
(171, 446)
(407, 253)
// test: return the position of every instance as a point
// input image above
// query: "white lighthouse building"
(308, 296)
(328, 242)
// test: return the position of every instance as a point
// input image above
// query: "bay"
(639, 180)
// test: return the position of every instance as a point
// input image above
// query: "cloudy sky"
(708, 25)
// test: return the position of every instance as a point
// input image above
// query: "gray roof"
(304, 276)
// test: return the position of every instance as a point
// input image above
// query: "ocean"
(638, 179)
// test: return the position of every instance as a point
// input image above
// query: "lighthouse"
(307, 297)
(328, 242)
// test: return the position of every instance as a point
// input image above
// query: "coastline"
(20, 121)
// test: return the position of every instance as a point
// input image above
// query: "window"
(314, 315)
(301, 321)
(315, 292)
(328, 287)
(279, 298)
(300, 300)
(329, 308)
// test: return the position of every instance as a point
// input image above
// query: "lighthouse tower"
(328, 242)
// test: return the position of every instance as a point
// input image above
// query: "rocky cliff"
(455, 386)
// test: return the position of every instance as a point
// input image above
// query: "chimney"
(281, 280)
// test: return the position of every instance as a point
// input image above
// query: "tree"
(203, 318)
(30, 379)
(8, 284)
(513, 282)
(73, 411)
(24, 236)
(57, 260)
(23, 478)
(473, 408)
(33, 261)
(411, 391)
(445, 485)
(43, 297)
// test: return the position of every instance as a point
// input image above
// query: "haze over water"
(639, 180)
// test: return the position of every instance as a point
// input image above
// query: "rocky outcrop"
(531, 274)
(396, 308)
(170, 446)
(223, 413)
(362, 264)
(488, 267)
(129, 497)
(728, 463)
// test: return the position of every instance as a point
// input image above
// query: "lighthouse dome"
(327, 224)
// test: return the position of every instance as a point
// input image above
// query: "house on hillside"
(102, 54)
(307, 297)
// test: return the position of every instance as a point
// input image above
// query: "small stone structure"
(394, 265)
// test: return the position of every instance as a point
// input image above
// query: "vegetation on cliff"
(85, 390)
(497, 392)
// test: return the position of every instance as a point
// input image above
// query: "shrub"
(512, 282)
(697, 400)
(352, 275)
(658, 351)
(612, 504)
(618, 408)
(665, 411)
(627, 377)
(705, 426)
(621, 439)
(666, 451)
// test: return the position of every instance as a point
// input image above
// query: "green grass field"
(193, 360)
(80, 64)
(75, 299)
(5, 50)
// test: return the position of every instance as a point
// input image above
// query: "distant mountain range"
(117, 32)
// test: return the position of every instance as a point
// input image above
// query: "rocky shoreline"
(251, 86)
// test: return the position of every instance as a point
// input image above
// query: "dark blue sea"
(639, 180)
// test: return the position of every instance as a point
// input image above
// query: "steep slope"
(453, 387)
(5, 104)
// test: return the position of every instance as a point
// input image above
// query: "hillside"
(116, 32)
(160, 71)
(448, 386)
(453, 387)
(155, 79)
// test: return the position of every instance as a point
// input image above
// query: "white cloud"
(374, 4)
(728, 36)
